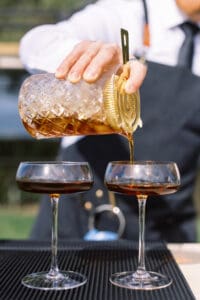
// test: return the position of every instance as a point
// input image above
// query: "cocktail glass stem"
(54, 270)
(141, 252)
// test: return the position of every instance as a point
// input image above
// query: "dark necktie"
(185, 56)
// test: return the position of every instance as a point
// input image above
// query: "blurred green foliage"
(16, 222)
(46, 4)
(17, 17)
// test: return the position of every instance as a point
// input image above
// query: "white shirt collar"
(170, 15)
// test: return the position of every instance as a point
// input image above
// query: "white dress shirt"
(44, 47)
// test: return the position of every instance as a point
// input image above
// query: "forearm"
(44, 47)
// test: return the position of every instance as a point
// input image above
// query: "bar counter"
(187, 257)
(98, 260)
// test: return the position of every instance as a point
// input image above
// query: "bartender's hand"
(89, 60)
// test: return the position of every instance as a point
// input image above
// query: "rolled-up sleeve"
(44, 47)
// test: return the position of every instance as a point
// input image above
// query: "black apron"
(170, 110)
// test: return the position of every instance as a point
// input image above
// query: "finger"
(70, 60)
(123, 78)
(138, 71)
(77, 70)
(108, 56)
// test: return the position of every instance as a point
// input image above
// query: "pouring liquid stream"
(131, 147)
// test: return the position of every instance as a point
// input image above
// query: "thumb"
(138, 70)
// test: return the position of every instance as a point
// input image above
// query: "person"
(84, 46)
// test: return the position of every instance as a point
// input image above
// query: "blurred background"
(18, 209)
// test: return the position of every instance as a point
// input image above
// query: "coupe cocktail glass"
(142, 179)
(54, 178)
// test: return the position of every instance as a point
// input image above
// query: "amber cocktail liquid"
(143, 189)
(54, 187)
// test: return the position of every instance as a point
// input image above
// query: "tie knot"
(190, 28)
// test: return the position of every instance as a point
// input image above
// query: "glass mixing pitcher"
(52, 108)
